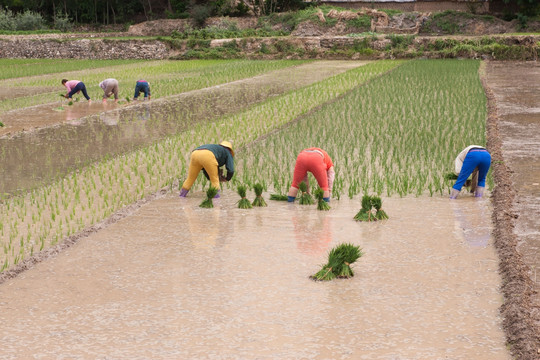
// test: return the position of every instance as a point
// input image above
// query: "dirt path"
(162, 284)
(514, 141)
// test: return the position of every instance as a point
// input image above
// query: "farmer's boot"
(479, 191)
(183, 192)
(454, 193)
(217, 195)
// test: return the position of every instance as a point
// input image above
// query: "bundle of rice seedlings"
(348, 254)
(243, 203)
(450, 176)
(305, 197)
(321, 204)
(339, 263)
(380, 214)
(62, 95)
(278, 197)
(365, 213)
(210, 193)
(259, 201)
(70, 103)
(128, 99)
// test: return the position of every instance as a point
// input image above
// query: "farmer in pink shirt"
(73, 87)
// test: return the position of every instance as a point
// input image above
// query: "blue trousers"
(79, 87)
(142, 86)
(480, 159)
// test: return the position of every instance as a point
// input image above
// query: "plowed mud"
(514, 141)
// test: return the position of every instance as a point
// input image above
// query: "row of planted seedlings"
(166, 78)
(45, 216)
(398, 134)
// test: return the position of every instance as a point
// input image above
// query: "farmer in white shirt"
(109, 86)
(471, 158)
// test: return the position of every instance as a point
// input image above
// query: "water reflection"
(313, 234)
(472, 219)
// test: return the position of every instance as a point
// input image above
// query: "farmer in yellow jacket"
(209, 158)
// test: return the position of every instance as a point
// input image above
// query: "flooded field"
(177, 281)
(516, 89)
(84, 132)
(165, 279)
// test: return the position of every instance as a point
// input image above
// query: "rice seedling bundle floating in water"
(210, 193)
(243, 203)
(339, 263)
(278, 197)
(305, 197)
(259, 200)
(321, 204)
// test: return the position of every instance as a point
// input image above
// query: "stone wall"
(83, 49)
(522, 47)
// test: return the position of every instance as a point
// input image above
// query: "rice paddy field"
(392, 128)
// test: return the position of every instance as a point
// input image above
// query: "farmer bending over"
(73, 87)
(209, 158)
(142, 86)
(471, 158)
(317, 162)
(109, 86)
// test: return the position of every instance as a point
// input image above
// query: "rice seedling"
(243, 203)
(380, 214)
(305, 197)
(321, 204)
(278, 197)
(340, 259)
(210, 193)
(259, 200)
(365, 213)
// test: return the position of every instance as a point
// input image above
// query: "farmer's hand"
(221, 177)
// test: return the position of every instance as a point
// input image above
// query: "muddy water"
(174, 281)
(516, 87)
(19, 91)
(31, 158)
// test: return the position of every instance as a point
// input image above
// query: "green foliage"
(1, 124)
(321, 204)
(370, 203)
(210, 193)
(305, 197)
(23, 21)
(62, 21)
(362, 23)
(199, 13)
(278, 197)
(214, 32)
(400, 41)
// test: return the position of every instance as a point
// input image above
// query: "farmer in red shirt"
(317, 162)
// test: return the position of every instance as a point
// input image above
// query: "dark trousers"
(142, 87)
(79, 87)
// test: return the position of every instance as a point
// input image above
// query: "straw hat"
(228, 145)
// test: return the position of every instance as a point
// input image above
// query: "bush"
(62, 22)
(199, 14)
(29, 20)
(7, 20)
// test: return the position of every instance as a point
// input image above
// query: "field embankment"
(497, 47)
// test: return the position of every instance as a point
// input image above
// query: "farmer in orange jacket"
(318, 162)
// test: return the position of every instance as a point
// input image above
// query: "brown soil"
(520, 292)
